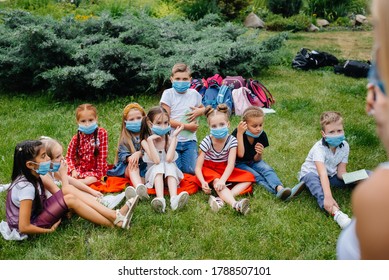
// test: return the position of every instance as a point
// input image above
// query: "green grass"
(273, 230)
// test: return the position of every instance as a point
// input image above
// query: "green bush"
(294, 23)
(107, 56)
(286, 8)
(329, 9)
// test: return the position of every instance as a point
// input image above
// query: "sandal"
(131, 203)
(119, 218)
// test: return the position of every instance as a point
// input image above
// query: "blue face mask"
(43, 168)
(87, 129)
(219, 133)
(133, 126)
(374, 78)
(181, 86)
(160, 131)
(55, 167)
(253, 135)
(335, 141)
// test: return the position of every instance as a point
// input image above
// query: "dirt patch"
(343, 44)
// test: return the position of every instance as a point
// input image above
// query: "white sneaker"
(179, 201)
(159, 204)
(130, 192)
(216, 203)
(4, 187)
(111, 201)
(141, 190)
(342, 219)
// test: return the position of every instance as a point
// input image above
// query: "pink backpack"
(264, 98)
(241, 100)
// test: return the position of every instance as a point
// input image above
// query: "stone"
(313, 28)
(253, 21)
(322, 22)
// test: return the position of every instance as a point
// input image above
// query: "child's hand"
(219, 184)
(133, 160)
(54, 227)
(259, 148)
(193, 126)
(242, 127)
(95, 193)
(329, 204)
(74, 174)
(205, 187)
(63, 169)
(178, 130)
(195, 113)
(153, 137)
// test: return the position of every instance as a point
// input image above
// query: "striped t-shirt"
(211, 154)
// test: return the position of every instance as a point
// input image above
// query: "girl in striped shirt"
(215, 165)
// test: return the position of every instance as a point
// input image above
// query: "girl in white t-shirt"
(30, 212)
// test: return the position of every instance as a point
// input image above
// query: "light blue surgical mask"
(55, 166)
(374, 78)
(87, 129)
(133, 126)
(181, 86)
(160, 131)
(219, 133)
(335, 141)
(43, 167)
(252, 134)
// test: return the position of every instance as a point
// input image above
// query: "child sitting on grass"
(128, 159)
(160, 156)
(216, 163)
(252, 140)
(88, 149)
(326, 163)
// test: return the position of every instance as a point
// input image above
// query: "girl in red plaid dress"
(88, 149)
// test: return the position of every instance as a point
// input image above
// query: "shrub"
(231, 8)
(106, 56)
(286, 8)
(197, 9)
(329, 9)
(294, 23)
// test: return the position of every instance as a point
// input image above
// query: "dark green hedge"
(128, 55)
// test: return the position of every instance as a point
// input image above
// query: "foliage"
(286, 8)
(329, 9)
(197, 9)
(273, 230)
(106, 56)
(294, 23)
(231, 9)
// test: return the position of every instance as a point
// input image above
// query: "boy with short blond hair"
(184, 106)
(326, 163)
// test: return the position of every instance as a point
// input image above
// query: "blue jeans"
(187, 156)
(312, 182)
(263, 173)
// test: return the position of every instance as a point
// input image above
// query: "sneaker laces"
(219, 201)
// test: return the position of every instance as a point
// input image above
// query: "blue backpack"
(216, 93)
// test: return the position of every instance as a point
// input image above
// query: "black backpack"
(307, 59)
(353, 68)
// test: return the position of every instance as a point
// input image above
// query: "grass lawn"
(273, 230)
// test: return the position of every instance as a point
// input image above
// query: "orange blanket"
(212, 170)
(118, 184)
